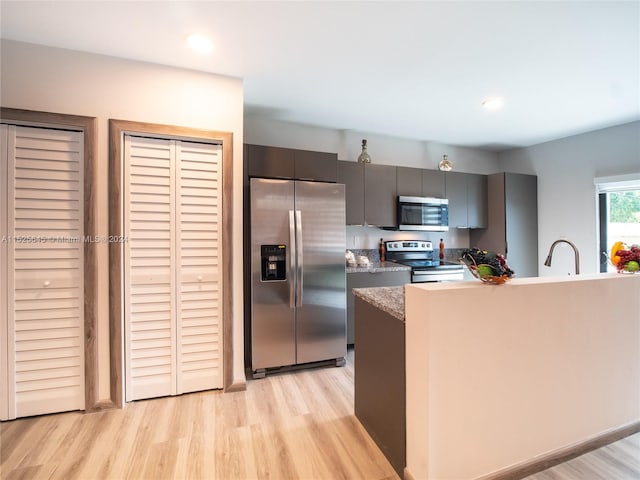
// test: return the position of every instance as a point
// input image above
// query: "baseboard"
(561, 455)
(407, 474)
(101, 405)
(236, 387)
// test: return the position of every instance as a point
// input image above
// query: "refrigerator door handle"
(292, 260)
(299, 258)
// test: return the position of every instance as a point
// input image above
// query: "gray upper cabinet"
(277, 162)
(380, 195)
(456, 193)
(467, 195)
(270, 162)
(317, 166)
(513, 221)
(351, 174)
(433, 183)
(370, 193)
(409, 181)
(477, 216)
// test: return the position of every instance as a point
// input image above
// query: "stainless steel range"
(423, 260)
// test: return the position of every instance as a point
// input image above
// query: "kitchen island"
(376, 274)
(504, 380)
(379, 365)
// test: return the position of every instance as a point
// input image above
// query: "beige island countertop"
(499, 377)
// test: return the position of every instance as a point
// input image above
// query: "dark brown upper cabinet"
(291, 164)
(351, 174)
(270, 162)
(467, 195)
(316, 166)
(409, 181)
(433, 183)
(370, 193)
(477, 210)
(380, 195)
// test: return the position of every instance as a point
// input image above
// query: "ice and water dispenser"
(273, 261)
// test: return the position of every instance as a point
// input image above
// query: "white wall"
(54, 80)
(384, 150)
(498, 375)
(566, 169)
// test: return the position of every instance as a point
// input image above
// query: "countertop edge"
(379, 267)
(387, 299)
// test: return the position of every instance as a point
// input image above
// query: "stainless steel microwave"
(423, 213)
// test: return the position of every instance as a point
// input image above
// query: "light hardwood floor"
(298, 425)
(617, 461)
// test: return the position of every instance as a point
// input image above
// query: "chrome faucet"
(547, 262)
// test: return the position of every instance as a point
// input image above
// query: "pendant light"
(364, 156)
(445, 165)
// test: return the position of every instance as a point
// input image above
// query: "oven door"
(437, 275)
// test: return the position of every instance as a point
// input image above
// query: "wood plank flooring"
(298, 425)
(616, 461)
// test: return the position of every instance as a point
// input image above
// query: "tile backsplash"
(368, 238)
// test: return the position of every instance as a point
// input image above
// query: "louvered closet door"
(198, 208)
(43, 186)
(149, 271)
(171, 267)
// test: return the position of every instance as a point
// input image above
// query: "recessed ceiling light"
(199, 43)
(493, 103)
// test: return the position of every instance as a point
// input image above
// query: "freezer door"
(321, 291)
(272, 301)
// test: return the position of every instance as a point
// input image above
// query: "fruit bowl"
(626, 260)
(488, 267)
(492, 279)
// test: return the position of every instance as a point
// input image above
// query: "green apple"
(631, 266)
(485, 271)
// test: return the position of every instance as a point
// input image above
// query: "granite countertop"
(387, 299)
(376, 267)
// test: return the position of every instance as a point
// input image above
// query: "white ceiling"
(417, 70)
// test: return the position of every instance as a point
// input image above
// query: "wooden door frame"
(117, 128)
(89, 126)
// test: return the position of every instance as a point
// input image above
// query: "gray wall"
(384, 150)
(566, 170)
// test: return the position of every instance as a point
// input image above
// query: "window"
(619, 214)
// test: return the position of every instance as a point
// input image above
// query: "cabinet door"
(409, 181)
(521, 223)
(270, 162)
(43, 324)
(380, 195)
(351, 174)
(477, 201)
(316, 166)
(456, 193)
(433, 183)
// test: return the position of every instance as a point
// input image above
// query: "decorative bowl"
(625, 259)
(491, 279)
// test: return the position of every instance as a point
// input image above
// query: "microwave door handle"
(292, 259)
(299, 258)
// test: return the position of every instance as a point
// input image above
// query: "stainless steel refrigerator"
(298, 282)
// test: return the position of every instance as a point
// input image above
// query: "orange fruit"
(615, 259)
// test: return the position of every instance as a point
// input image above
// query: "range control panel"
(409, 246)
